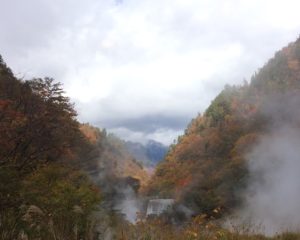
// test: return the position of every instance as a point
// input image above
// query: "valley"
(233, 174)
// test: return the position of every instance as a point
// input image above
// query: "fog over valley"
(149, 120)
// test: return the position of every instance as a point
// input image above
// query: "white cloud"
(130, 59)
(165, 136)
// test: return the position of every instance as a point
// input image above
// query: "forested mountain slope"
(112, 157)
(207, 169)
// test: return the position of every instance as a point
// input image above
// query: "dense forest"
(61, 179)
(42, 192)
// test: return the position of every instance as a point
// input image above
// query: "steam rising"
(273, 194)
(129, 205)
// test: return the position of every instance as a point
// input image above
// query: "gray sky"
(144, 68)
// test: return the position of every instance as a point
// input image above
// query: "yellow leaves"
(200, 219)
(221, 234)
(191, 233)
(91, 133)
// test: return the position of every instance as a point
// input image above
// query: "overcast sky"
(144, 68)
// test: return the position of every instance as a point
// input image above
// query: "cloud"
(164, 135)
(149, 124)
(121, 61)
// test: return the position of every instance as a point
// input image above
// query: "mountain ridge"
(207, 169)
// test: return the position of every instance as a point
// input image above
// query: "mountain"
(208, 168)
(149, 154)
(112, 156)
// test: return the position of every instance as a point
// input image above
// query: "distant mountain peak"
(150, 153)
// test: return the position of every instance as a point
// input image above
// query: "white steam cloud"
(273, 194)
(129, 205)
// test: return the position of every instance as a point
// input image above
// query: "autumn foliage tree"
(38, 123)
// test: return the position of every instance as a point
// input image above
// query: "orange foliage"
(208, 163)
(89, 132)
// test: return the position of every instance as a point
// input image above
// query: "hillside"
(112, 156)
(208, 168)
(43, 193)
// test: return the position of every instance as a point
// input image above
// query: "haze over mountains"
(181, 128)
(150, 154)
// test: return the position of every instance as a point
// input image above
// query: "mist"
(273, 194)
(129, 205)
